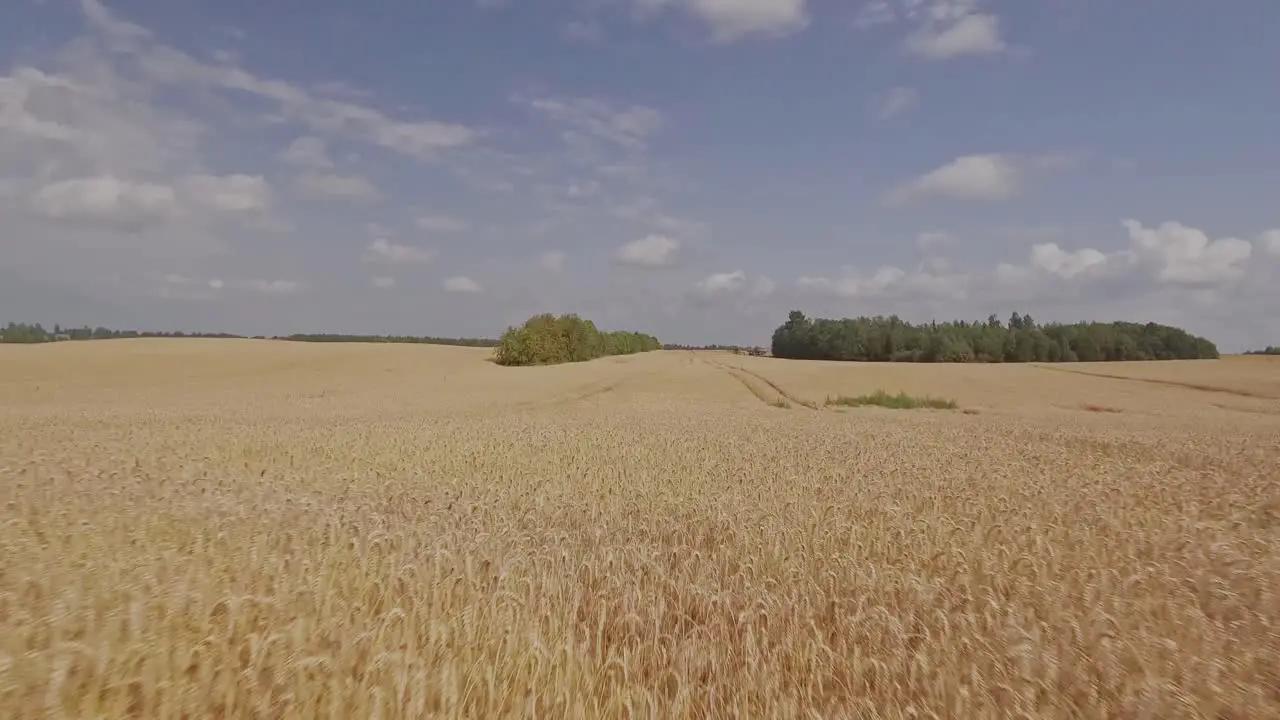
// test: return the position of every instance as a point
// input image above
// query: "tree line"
(549, 340)
(891, 339)
(1268, 350)
(413, 339)
(24, 333)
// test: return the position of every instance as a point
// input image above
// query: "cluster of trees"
(890, 339)
(549, 340)
(424, 340)
(1268, 350)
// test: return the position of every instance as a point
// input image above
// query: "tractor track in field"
(753, 382)
(778, 389)
(1158, 381)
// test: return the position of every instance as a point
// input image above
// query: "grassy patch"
(1100, 408)
(901, 401)
(781, 403)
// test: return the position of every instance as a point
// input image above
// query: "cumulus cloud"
(1183, 255)
(339, 187)
(1170, 257)
(385, 251)
(733, 19)
(109, 202)
(897, 101)
(986, 178)
(649, 251)
(733, 283)
(276, 287)
(238, 193)
(552, 261)
(1271, 241)
(106, 201)
(939, 29)
(730, 20)
(932, 241)
(462, 284)
(583, 30)
(629, 126)
(1066, 264)
(421, 139)
(109, 170)
(972, 34)
(436, 223)
(308, 152)
(889, 282)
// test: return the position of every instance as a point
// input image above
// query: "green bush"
(549, 340)
(901, 401)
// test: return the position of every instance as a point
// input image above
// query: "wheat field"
(258, 529)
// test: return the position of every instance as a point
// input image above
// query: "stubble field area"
(210, 528)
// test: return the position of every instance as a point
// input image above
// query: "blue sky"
(690, 168)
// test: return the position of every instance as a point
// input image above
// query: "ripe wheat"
(259, 529)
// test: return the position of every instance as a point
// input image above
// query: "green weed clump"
(901, 401)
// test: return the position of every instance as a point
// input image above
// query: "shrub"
(549, 340)
(901, 401)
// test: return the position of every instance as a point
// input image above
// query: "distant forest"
(891, 339)
(878, 339)
(22, 333)
(1269, 350)
(327, 337)
(676, 346)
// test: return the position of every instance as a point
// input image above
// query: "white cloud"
(1171, 255)
(1271, 241)
(109, 202)
(649, 251)
(382, 250)
(583, 30)
(971, 177)
(462, 284)
(552, 261)
(228, 193)
(215, 284)
(308, 152)
(723, 282)
(384, 283)
(975, 34)
(1186, 256)
(332, 185)
(629, 126)
(737, 281)
(106, 201)
(275, 287)
(733, 19)
(875, 13)
(421, 139)
(896, 102)
(941, 29)
(1053, 259)
(934, 240)
(889, 281)
(441, 223)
